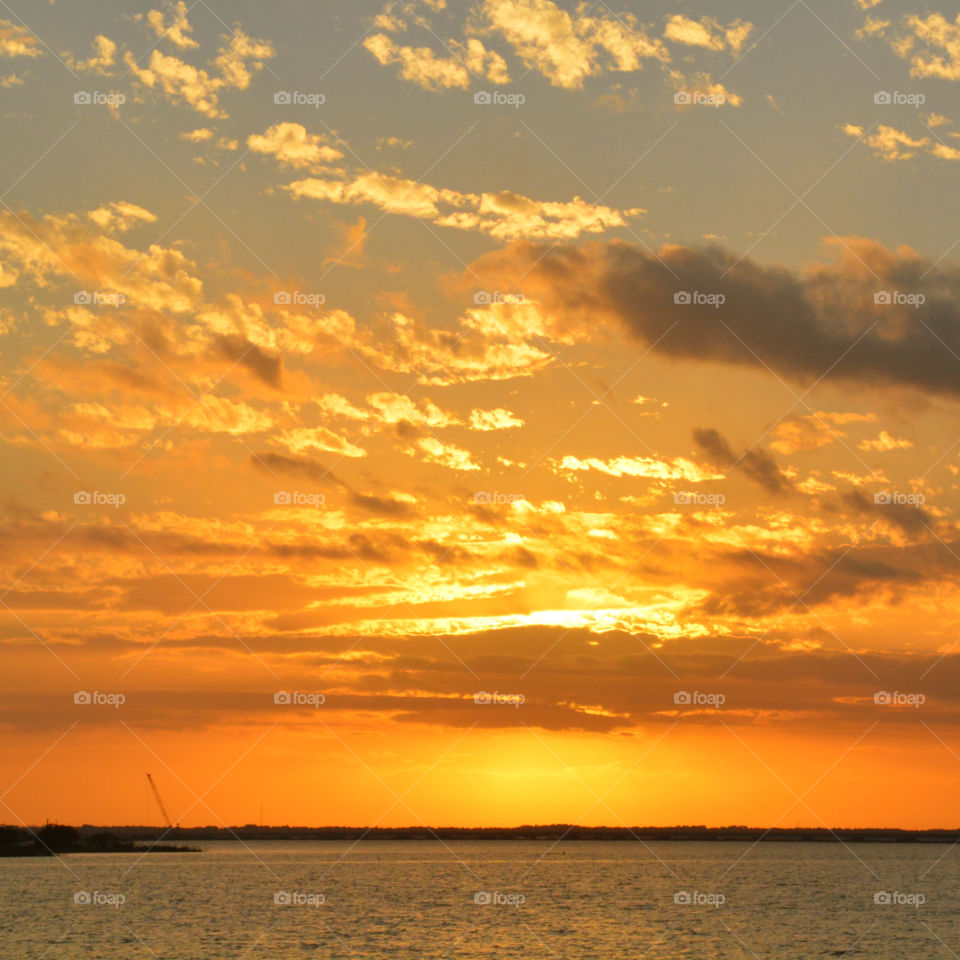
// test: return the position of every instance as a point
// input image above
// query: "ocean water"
(413, 899)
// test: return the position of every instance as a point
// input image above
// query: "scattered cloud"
(504, 215)
(707, 33)
(291, 144)
(121, 216)
(18, 41)
(239, 58)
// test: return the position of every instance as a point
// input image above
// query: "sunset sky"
(603, 358)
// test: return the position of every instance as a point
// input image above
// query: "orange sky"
(381, 454)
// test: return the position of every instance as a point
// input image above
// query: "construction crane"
(156, 793)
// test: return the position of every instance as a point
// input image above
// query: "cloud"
(891, 144)
(432, 450)
(177, 29)
(758, 465)
(273, 463)
(707, 33)
(104, 57)
(812, 431)
(305, 439)
(291, 144)
(568, 49)
(264, 366)
(504, 215)
(911, 519)
(422, 66)
(932, 45)
(498, 419)
(884, 443)
(200, 135)
(18, 41)
(121, 216)
(700, 86)
(498, 342)
(651, 468)
(823, 322)
(394, 408)
(237, 60)
(158, 278)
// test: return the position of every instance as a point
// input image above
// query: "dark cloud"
(262, 365)
(758, 465)
(569, 679)
(819, 323)
(311, 470)
(911, 519)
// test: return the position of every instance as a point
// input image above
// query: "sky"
(487, 413)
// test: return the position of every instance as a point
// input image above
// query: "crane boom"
(156, 793)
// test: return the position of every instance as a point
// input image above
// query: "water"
(412, 899)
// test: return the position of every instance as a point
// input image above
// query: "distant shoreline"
(549, 832)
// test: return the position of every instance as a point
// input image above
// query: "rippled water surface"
(411, 899)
